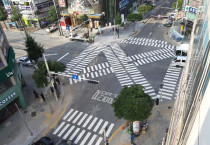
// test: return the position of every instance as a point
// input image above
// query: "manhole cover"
(33, 114)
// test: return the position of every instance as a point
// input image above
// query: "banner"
(62, 3)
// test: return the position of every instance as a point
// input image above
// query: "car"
(44, 141)
(66, 142)
(25, 61)
(168, 24)
(52, 27)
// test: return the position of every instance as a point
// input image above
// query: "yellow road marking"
(111, 137)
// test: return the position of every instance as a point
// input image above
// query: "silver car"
(25, 61)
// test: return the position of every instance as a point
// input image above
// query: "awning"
(95, 16)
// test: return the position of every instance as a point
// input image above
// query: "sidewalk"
(37, 115)
(158, 122)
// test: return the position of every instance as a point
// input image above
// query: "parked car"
(52, 27)
(66, 142)
(44, 141)
(25, 61)
(168, 24)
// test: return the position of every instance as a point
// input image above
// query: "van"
(182, 50)
(179, 61)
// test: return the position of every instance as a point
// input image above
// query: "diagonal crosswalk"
(82, 128)
(170, 84)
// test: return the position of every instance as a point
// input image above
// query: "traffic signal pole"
(49, 74)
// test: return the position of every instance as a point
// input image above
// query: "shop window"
(5, 86)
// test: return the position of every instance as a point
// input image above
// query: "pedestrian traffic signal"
(93, 82)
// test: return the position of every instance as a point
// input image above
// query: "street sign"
(191, 9)
(75, 77)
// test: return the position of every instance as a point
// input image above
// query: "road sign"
(191, 9)
(75, 77)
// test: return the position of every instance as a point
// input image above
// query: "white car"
(25, 61)
(51, 27)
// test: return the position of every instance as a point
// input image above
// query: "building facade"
(10, 80)
(191, 114)
(34, 12)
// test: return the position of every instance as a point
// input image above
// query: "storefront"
(10, 80)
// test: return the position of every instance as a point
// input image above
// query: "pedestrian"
(92, 39)
(42, 95)
(132, 137)
(35, 94)
(93, 36)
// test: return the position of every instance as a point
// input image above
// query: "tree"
(15, 14)
(134, 17)
(34, 49)
(133, 104)
(178, 3)
(118, 19)
(145, 9)
(84, 18)
(3, 15)
(52, 14)
(40, 75)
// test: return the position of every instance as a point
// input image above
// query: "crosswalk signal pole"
(48, 71)
(161, 86)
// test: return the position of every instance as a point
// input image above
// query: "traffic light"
(93, 82)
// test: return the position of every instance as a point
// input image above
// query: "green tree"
(84, 18)
(15, 14)
(34, 49)
(145, 9)
(134, 17)
(40, 75)
(118, 19)
(3, 15)
(133, 104)
(178, 3)
(52, 14)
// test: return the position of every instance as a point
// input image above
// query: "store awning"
(95, 16)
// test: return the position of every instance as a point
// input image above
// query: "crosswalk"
(83, 128)
(170, 84)
(148, 42)
(151, 56)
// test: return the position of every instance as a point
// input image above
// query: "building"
(10, 80)
(34, 12)
(191, 114)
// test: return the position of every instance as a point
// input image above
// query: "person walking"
(42, 95)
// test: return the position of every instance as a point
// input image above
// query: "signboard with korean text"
(123, 3)
(62, 3)
(191, 9)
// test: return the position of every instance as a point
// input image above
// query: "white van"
(182, 50)
(179, 61)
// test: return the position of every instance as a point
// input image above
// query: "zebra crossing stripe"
(96, 74)
(107, 69)
(96, 67)
(109, 129)
(69, 131)
(97, 126)
(88, 69)
(92, 139)
(82, 119)
(104, 71)
(64, 118)
(78, 116)
(88, 120)
(79, 137)
(74, 134)
(92, 69)
(84, 70)
(72, 116)
(99, 65)
(136, 63)
(63, 130)
(103, 65)
(87, 75)
(92, 76)
(107, 65)
(92, 123)
(70, 80)
(103, 127)
(99, 141)
(85, 139)
(61, 125)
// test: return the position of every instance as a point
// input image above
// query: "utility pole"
(60, 29)
(24, 120)
(51, 81)
(114, 16)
